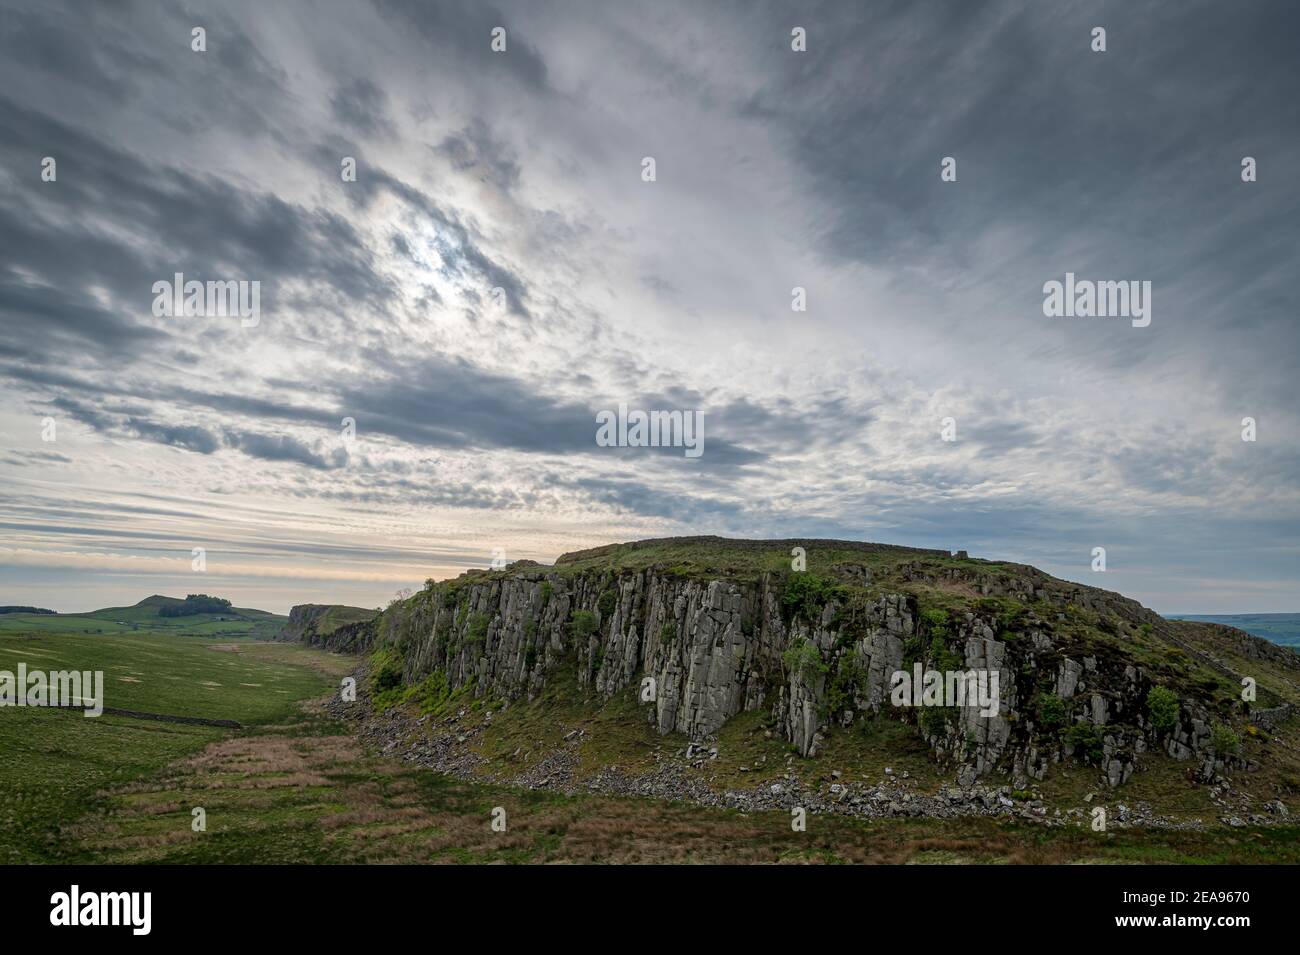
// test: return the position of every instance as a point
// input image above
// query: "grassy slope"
(340, 615)
(56, 761)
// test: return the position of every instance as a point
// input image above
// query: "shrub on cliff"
(1086, 740)
(478, 627)
(936, 621)
(385, 670)
(1223, 741)
(805, 660)
(583, 624)
(1162, 707)
(1051, 709)
(805, 595)
(941, 657)
(933, 720)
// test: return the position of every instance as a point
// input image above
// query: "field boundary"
(161, 717)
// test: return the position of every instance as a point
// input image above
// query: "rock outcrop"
(1073, 664)
(330, 626)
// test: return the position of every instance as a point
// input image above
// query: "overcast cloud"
(521, 170)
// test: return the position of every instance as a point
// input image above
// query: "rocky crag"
(330, 626)
(703, 629)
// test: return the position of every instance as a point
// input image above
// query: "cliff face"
(330, 626)
(1074, 665)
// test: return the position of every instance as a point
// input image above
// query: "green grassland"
(57, 761)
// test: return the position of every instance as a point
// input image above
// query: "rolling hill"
(147, 615)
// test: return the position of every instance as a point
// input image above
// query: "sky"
(501, 270)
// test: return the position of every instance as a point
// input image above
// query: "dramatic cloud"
(437, 334)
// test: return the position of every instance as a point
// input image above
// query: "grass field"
(57, 761)
(296, 786)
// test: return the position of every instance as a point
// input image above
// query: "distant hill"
(41, 610)
(1280, 628)
(155, 613)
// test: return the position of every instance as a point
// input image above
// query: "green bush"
(934, 719)
(1051, 709)
(607, 602)
(668, 633)
(849, 675)
(911, 651)
(385, 670)
(805, 594)
(804, 659)
(1162, 707)
(936, 621)
(1086, 740)
(583, 624)
(478, 627)
(1223, 741)
(942, 658)
(432, 692)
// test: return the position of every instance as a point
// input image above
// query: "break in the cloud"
(521, 171)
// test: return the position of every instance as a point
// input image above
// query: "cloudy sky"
(522, 171)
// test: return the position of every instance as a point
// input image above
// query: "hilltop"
(322, 624)
(207, 615)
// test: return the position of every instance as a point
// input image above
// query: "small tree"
(805, 660)
(1051, 709)
(936, 621)
(805, 595)
(478, 627)
(1223, 741)
(1086, 740)
(1162, 708)
(583, 624)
